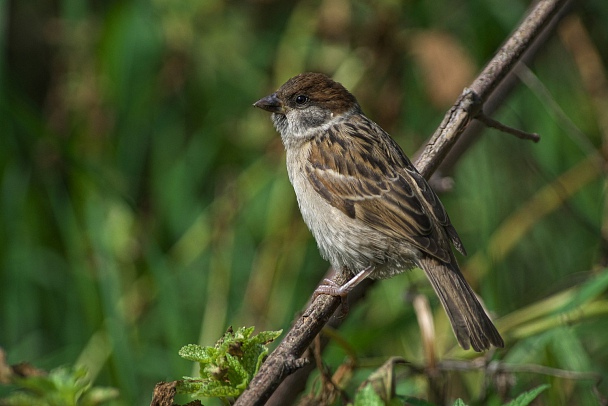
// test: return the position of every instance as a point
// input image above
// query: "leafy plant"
(226, 368)
(63, 386)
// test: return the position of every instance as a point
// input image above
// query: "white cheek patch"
(296, 128)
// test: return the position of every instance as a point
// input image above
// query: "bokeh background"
(144, 203)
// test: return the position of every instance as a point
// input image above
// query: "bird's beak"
(270, 103)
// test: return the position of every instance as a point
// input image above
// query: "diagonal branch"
(470, 102)
(287, 356)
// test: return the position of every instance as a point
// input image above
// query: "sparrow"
(371, 212)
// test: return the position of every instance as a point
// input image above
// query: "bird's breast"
(342, 240)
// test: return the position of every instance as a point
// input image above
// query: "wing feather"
(368, 177)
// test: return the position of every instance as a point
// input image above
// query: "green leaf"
(527, 397)
(459, 402)
(194, 352)
(226, 368)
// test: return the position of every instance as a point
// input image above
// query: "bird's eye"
(301, 99)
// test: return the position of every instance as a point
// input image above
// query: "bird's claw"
(331, 288)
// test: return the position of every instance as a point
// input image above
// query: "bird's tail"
(471, 324)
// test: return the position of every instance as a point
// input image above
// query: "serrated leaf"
(236, 373)
(189, 385)
(244, 332)
(266, 337)
(527, 397)
(194, 352)
(216, 389)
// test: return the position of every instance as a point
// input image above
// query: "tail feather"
(471, 324)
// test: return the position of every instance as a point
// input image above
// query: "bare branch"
(490, 122)
(472, 99)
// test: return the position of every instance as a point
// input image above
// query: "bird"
(372, 214)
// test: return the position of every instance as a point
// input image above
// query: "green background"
(144, 203)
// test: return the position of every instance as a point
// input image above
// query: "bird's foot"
(331, 288)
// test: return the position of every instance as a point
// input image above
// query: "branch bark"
(472, 99)
(287, 356)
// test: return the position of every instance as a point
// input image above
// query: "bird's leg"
(329, 287)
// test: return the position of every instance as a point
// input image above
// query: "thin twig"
(501, 93)
(490, 122)
(287, 355)
(472, 99)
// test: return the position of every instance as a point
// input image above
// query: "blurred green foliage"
(62, 386)
(144, 203)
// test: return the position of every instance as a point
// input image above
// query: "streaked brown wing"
(370, 179)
